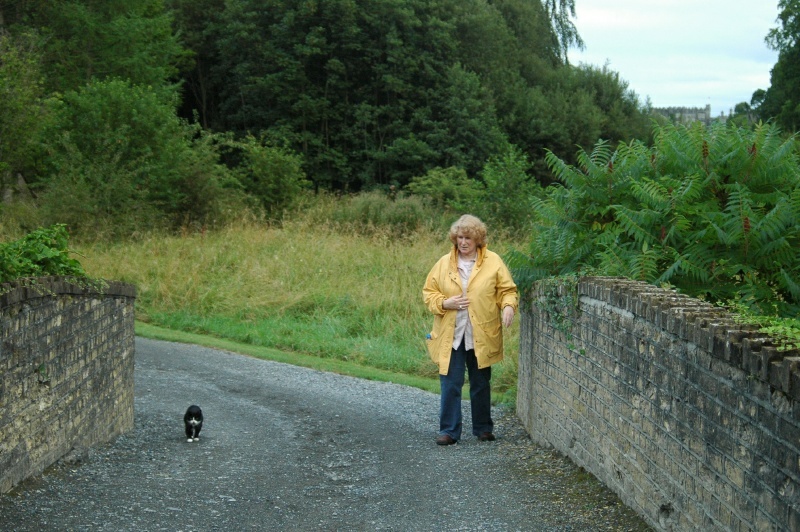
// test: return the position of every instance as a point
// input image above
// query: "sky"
(681, 53)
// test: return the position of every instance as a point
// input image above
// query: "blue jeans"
(480, 394)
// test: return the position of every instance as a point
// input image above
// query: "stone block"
(782, 374)
(794, 388)
(768, 355)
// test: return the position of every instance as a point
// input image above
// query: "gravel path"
(285, 447)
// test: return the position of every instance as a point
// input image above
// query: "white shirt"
(463, 325)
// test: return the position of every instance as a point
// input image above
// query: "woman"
(470, 293)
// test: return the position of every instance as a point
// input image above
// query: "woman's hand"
(508, 316)
(455, 303)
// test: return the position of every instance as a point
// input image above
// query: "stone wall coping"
(37, 287)
(702, 323)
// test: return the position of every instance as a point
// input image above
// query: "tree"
(22, 113)
(743, 115)
(575, 106)
(375, 93)
(758, 98)
(87, 115)
(368, 94)
(83, 40)
(782, 100)
(195, 22)
(448, 188)
(121, 161)
(560, 12)
(786, 36)
(509, 190)
(461, 126)
(364, 90)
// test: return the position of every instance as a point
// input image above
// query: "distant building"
(687, 115)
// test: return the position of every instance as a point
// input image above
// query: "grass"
(345, 296)
(147, 330)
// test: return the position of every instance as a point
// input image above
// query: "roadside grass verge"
(341, 367)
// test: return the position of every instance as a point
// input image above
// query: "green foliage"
(83, 40)
(712, 212)
(22, 114)
(508, 43)
(402, 214)
(448, 188)
(560, 12)
(104, 151)
(112, 159)
(121, 161)
(371, 213)
(784, 332)
(558, 298)
(782, 99)
(787, 35)
(376, 93)
(781, 102)
(500, 198)
(744, 115)
(509, 188)
(572, 106)
(209, 193)
(40, 253)
(468, 130)
(270, 173)
(343, 81)
(364, 95)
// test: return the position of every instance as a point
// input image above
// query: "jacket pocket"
(491, 337)
(432, 342)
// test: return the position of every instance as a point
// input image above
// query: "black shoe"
(445, 439)
(486, 436)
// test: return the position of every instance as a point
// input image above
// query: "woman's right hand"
(455, 303)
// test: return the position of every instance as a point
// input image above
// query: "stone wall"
(693, 420)
(66, 371)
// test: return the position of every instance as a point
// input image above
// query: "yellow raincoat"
(490, 289)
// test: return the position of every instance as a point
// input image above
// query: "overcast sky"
(681, 53)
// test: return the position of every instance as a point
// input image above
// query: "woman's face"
(466, 245)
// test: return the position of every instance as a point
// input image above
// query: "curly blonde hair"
(470, 226)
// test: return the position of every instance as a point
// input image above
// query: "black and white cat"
(193, 421)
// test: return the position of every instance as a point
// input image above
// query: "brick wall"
(691, 419)
(66, 372)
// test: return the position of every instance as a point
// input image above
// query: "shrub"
(448, 188)
(373, 214)
(505, 202)
(41, 252)
(270, 173)
(710, 211)
(372, 209)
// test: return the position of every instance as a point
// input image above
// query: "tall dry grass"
(309, 286)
